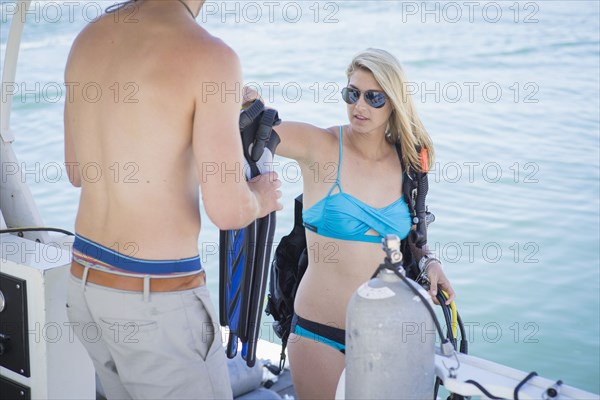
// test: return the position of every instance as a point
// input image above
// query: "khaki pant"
(165, 347)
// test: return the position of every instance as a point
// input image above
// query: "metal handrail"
(17, 206)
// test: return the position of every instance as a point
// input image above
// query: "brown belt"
(137, 284)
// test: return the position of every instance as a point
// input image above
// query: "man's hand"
(266, 188)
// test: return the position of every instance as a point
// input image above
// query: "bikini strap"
(337, 179)
(340, 160)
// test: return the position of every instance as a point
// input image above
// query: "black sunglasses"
(374, 98)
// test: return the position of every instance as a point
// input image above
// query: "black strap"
(415, 181)
(482, 389)
(268, 120)
(188, 8)
(523, 382)
(250, 113)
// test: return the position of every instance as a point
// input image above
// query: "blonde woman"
(352, 198)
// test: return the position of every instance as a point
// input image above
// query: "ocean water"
(509, 92)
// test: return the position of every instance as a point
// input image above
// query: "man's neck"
(195, 6)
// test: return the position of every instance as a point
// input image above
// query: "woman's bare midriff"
(336, 269)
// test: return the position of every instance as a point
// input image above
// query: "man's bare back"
(152, 114)
(144, 128)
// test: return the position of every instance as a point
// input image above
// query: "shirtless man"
(145, 126)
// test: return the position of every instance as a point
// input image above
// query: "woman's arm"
(299, 141)
(438, 280)
(433, 270)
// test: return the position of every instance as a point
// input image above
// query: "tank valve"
(391, 246)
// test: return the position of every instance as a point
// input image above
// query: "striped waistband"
(91, 252)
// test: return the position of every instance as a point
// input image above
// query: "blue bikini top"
(343, 216)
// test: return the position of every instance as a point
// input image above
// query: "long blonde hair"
(404, 126)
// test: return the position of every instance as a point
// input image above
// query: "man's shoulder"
(212, 59)
(209, 51)
(192, 43)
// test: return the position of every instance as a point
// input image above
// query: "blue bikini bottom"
(326, 334)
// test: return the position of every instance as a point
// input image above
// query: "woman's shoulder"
(334, 131)
(327, 139)
(331, 134)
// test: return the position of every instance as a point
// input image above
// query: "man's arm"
(229, 200)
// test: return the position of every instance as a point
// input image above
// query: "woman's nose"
(361, 103)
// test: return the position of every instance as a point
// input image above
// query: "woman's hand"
(437, 278)
(249, 95)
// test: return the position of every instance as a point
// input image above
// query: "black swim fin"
(244, 254)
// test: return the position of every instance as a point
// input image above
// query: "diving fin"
(244, 254)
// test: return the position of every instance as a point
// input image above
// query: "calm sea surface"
(509, 92)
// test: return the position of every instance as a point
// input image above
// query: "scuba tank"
(390, 335)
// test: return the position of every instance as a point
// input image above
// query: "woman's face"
(363, 117)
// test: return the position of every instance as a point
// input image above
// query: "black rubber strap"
(483, 390)
(523, 382)
(251, 113)
(36, 229)
(267, 121)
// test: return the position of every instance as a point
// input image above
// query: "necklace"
(116, 6)
(188, 8)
